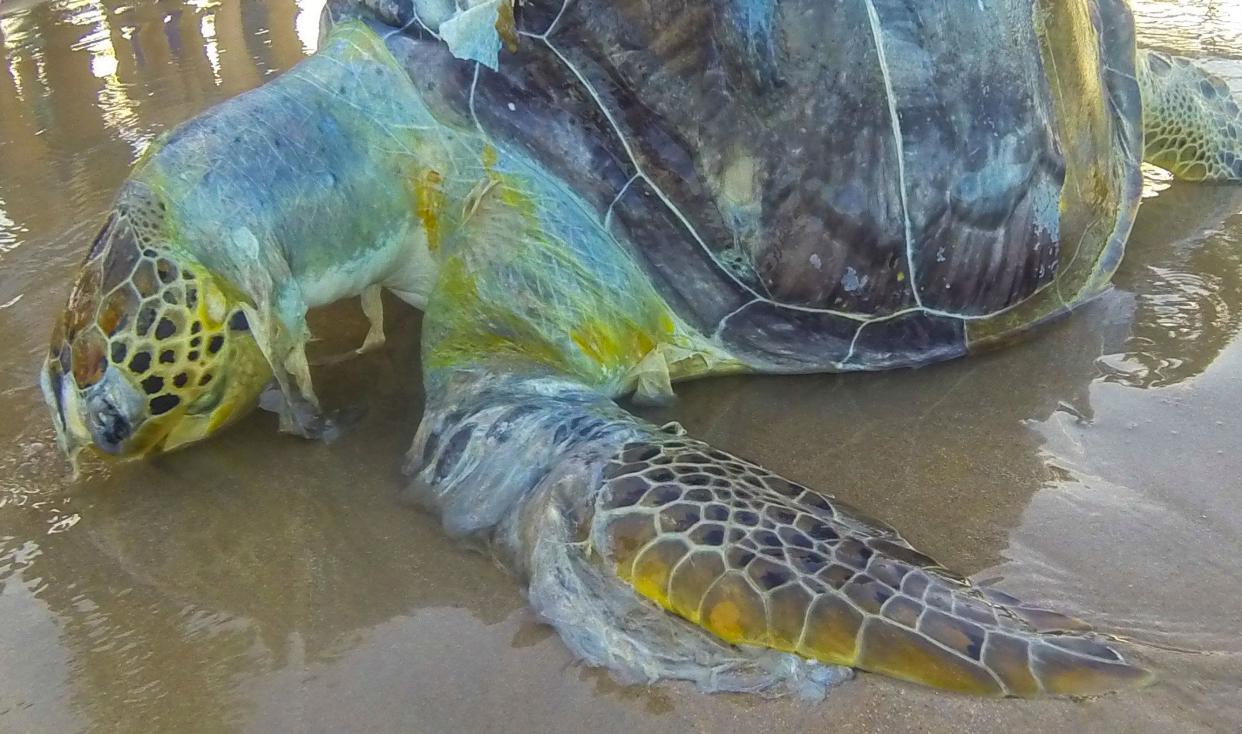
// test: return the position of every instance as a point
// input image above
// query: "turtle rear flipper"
(572, 492)
(1191, 122)
(760, 560)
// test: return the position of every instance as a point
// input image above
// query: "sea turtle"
(597, 197)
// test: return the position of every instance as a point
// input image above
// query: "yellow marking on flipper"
(831, 631)
(653, 567)
(1008, 658)
(690, 582)
(1062, 673)
(734, 611)
(724, 619)
(787, 616)
(645, 565)
(901, 653)
(724, 605)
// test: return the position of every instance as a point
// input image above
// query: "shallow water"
(263, 583)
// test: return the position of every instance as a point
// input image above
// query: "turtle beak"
(114, 411)
(106, 414)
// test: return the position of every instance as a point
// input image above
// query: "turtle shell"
(846, 184)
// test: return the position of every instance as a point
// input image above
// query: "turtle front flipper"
(1191, 122)
(570, 491)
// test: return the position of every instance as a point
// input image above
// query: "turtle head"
(153, 351)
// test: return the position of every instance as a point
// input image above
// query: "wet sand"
(263, 583)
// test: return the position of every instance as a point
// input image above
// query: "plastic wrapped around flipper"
(588, 505)
(1191, 122)
(518, 471)
(605, 624)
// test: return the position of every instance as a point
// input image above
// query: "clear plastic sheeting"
(472, 34)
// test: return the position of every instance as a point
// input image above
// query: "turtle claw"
(673, 428)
